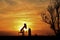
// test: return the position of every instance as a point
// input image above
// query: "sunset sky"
(14, 13)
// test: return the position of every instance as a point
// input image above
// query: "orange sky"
(13, 14)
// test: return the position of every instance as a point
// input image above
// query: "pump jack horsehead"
(22, 29)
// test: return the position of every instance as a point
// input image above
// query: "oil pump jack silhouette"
(22, 30)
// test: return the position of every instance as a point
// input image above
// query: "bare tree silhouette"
(50, 9)
(52, 18)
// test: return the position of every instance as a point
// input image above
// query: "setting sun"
(21, 24)
(25, 29)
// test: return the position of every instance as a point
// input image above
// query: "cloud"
(11, 2)
(35, 1)
(13, 6)
(0, 0)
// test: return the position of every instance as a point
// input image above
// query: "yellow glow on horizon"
(21, 24)
(27, 23)
(25, 29)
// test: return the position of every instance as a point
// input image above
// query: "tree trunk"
(53, 27)
(57, 16)
(58, 31)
